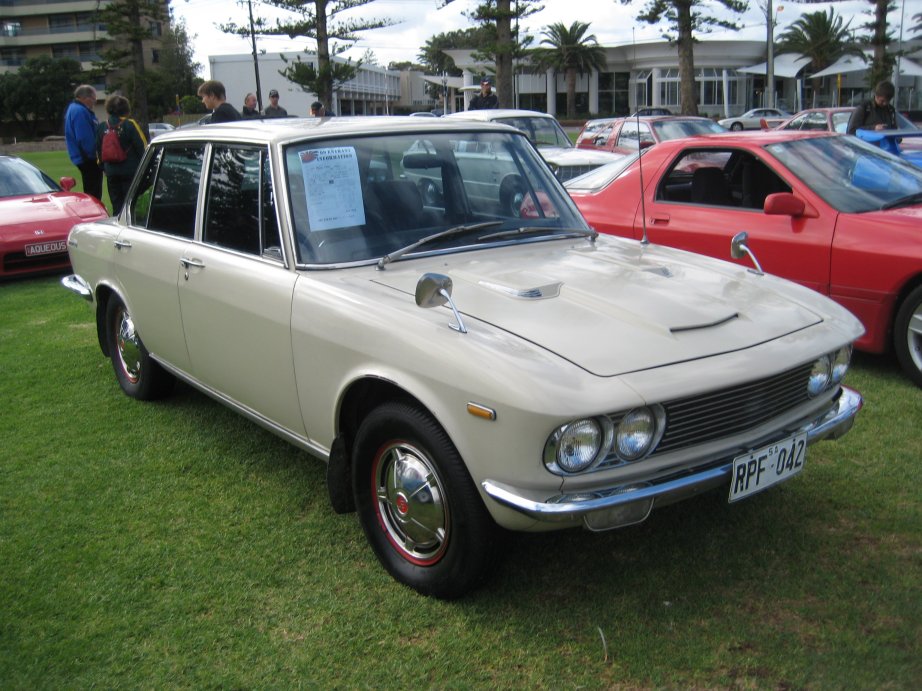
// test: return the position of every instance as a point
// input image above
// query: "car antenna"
(643, 205)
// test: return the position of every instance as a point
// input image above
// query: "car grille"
(725, 412)
(16, 262)
(565, 173)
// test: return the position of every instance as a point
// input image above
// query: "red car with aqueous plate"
(828, 211)
(36, 214)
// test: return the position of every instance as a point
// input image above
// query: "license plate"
(46, 247)
(753, 472)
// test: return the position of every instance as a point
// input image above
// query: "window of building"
(10, 28)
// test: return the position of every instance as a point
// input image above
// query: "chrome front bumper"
(77, 285)
(623, 505)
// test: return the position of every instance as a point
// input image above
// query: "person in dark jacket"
(486, 99)
(876, 113)
(249, 107)
(214, 98)
(274, 110)
(119, 174)
(80, 135)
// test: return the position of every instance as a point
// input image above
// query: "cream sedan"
(458, 364)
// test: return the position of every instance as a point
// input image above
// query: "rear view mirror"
(784, 204)
(739, 249)
(434, 290)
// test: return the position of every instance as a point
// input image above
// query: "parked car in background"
(158, 128)
(828, 211)
(836, 120)
(643, 112)
(457, 364)
(591, 128)
(628, 134)
(755, 119)
(544, 132)
(36, 214)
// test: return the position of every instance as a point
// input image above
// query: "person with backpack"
(877, 113)
(120, 145)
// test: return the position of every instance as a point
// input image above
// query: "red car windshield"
(675, 129)
(18, 178)
(850, 175)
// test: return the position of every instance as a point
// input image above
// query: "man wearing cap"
(274, 110)
(317, 110)
(486, 99)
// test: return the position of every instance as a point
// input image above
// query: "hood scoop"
(551, 290)
(709, 325)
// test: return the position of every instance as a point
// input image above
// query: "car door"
(705, 196)
(236, 290)
(160, 225)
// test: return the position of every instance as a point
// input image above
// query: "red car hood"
(52, 213)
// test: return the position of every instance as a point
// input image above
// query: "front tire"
(907, 335)
(137, 373)
(418, 506)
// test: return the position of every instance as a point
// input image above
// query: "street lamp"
(444, 93)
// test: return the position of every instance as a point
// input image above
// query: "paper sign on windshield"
(332, 187)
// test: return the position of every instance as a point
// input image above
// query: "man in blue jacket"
(80, 134)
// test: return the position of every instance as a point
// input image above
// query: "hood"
(577, 157)
(54, 213)
(616, 306)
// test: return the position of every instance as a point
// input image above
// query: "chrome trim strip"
(835, 422)
(77, 285)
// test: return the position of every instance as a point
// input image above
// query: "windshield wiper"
(457, 230)
(913, 198)
(530, 230)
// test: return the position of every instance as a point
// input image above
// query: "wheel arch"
(910, 285)
(357, 401)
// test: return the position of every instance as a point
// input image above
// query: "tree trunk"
(688, 96)
(139, 97)
(504, 49)
(324, 69)
(571, 93)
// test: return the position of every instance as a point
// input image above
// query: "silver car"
(460, 365)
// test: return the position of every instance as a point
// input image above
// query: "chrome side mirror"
(739, 249)
(434, 290)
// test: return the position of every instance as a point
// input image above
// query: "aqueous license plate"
(46, 247)
(753, 472)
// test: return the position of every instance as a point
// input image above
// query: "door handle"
(187, 263)
(659, 219)
(122, 245)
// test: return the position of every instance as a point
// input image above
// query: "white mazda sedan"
(418, 303)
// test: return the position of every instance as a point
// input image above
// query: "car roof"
(498, 114)
(758, 138)
(283, 130)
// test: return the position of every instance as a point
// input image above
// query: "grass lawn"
(56, 164)
(174, 544)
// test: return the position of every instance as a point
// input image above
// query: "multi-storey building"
(63, 29)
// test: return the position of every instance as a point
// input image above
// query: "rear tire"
(736, 126)
(417, 504)
(137, 373)
(907, 335)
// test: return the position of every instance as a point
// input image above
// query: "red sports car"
(626, 135)
(36, 214)
(826, 210)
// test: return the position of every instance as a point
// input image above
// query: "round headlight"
(819, 376)
(635, 434)
(578, 445)
(840, 362)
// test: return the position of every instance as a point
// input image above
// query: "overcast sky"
(418, 20)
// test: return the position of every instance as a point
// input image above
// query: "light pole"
(444, 93)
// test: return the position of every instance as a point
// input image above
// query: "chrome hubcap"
(129, 347)
(410, 503)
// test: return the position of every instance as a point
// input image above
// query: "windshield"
(603, 175)
(18, 178)
(850, 175)
(675, 129)
(541, 131)
(357, 200)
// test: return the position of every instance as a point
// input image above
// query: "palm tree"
(571, 51)
(820, 36)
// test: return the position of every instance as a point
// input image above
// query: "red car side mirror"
(67, 183)
(784, 204)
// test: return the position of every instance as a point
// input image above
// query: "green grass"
(174, 544)
(56, 164)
